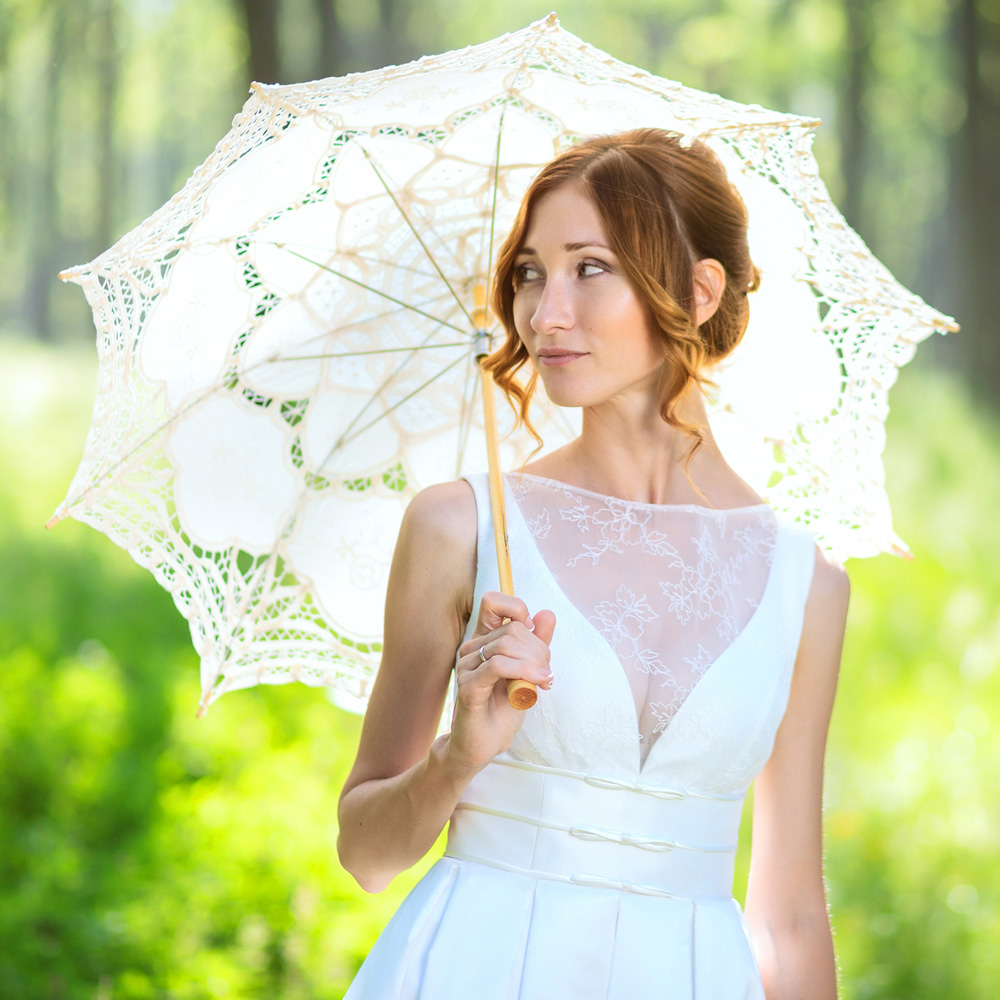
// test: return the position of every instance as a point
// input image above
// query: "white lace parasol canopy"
(287, 346)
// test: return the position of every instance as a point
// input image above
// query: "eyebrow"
(569, 247)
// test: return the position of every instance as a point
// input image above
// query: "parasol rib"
(416, 235)
(358, 354)
(345, 439)
(377, 291)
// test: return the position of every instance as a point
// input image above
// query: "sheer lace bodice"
(669, 588)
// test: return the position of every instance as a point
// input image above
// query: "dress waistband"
(592, 830)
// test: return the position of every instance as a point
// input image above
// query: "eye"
(589, 268)
(525, 272)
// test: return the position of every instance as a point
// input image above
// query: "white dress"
(594, 859)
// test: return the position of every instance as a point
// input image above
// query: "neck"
(634, 454)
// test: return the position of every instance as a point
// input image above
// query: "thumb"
(545, 625)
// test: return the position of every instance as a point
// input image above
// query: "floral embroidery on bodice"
(669, 588)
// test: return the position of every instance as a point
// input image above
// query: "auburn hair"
(664, 205)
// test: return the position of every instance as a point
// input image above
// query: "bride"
(685, 641)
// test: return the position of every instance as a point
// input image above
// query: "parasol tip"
(58, 516)
(206, 699)
(552, 21)
(899, 549)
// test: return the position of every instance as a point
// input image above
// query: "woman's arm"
(786, 901)
(405, 784)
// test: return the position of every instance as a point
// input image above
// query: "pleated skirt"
(470, 931)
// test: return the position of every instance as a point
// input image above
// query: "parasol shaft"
(520, 694)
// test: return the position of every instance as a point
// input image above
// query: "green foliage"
(147, 854)
(912, 834)
(144, 853)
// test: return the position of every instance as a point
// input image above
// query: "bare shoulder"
(825, 620)
(446, 511)
(831, 587)
(437, 547)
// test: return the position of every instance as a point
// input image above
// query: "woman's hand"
(507, 644)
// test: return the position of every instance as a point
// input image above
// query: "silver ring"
(482, 653)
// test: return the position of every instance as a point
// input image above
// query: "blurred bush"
(144, 854)
(912, 816)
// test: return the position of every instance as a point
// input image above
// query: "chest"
(675, 639)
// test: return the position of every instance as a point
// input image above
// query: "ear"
(709, 284)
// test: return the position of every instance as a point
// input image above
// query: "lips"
(552, 357)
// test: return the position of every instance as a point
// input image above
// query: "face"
(585, 328)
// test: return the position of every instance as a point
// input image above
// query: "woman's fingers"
(507, 645)
(512, 652)
(495, 607)
(545, 625)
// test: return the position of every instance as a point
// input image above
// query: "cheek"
(523, 310)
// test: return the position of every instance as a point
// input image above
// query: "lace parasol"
(287, 346)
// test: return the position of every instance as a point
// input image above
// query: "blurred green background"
(144, 853)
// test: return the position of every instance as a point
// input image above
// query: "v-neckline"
(621, 680)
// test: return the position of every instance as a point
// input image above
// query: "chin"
(567, 396)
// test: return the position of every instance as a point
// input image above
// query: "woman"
(591, 845)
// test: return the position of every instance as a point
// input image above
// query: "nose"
(554, 310)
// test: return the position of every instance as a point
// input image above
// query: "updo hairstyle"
(664, 207)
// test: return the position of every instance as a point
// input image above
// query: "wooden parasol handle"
(520, 694)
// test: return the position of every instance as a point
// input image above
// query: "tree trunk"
(391, 45)
(854, 128)
(261, 17)
(333, 48)
(109, 193)
(44, 212)
(976, 184)
(7, 172)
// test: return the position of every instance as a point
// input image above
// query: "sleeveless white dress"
(594, 859)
